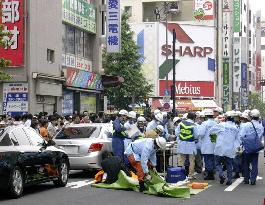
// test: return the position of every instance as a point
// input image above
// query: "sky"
(259, 5)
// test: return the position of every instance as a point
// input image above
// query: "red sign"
(12, 19)
(189, 88)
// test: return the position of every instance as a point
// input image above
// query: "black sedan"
(27, 159)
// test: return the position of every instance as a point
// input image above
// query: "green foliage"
(127, 65)
(255, 102)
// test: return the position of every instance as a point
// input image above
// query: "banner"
(226, 90)
(189, 88)
(244, 84)
(68, 103)
(15, 98)
(12, 19)
(83, 79)
(113, 32)
(80, 13)
(203, 10)
(237, 10)
(236, 64)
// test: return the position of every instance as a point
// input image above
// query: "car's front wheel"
(16, 183)
(63, 174)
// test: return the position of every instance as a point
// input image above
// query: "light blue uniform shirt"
(248, 129)
(151, 125)
(143, 151)
(207, 147)
(227, 139)
(185, 147)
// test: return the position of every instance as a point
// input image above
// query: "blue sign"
(166, 92)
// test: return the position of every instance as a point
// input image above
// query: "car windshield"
(78, 132)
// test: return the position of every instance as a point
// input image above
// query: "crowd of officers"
(208, 142)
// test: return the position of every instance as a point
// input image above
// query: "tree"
(126, 64)
(255, 102)
(3, 62)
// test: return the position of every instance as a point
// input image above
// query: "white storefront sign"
(236, 64)
(113, 31)
(15, 98)
(72, 61)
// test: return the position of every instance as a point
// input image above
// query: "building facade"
(60, 57)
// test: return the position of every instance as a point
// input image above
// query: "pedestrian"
(44, 130)
(142, 157)
(250, 133)
(52, 127)
(119, 134)
(227, 141)
(208, 144)
(186, 134)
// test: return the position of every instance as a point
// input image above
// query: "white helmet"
(218, 109)
(254, 113)
(160, 128)
(238, 114)
(185, 116)
(176, 119)
(201, 114)
(159, 117)
(247, 111)
(208, 112)
(157, 112)
(164, 114)
(230, 114)
(123, 112)
(132, 114)
(141, 119)
(245, 115)
(161, 142)
(197, 113)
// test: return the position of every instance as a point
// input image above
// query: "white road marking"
(238, 182)
(235, 184)
(79, 184)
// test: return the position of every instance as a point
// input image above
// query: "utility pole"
(174, 72)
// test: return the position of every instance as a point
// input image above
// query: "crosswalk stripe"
(235, 184)
(79, 184)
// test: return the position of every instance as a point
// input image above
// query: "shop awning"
(186, 104)
(111, 81)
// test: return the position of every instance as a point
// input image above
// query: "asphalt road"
(79, 192)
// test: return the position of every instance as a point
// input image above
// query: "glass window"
(6, 141)
(79, 42)
(78, 133)
(88, 46)
(70, 39)
(35, 138)
(64, 39)
(21, 137)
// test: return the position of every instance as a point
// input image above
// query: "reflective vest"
(186, 131)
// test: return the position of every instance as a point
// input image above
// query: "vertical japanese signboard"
(80, 13)
(236, 64)
(15, 98)
(12, 19)
(226, 90)
(226, 35)
(236, 12)
(244, 84)
(113, 26)
(203, 10)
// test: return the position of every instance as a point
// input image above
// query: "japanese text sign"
(13, 23)
(226, 88)
(80, 14)
(236, 64)
(237, 16)
(113, 26)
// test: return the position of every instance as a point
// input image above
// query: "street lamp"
(174, 73)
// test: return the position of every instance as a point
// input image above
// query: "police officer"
(119, 134)
(251, 128)
(226, 142)
(128, 125)
(186, 134)
(208, 144)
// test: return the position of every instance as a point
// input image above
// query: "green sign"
(226, 88)
(81, 14)
(237, 16)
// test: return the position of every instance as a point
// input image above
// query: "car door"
(46, 156)
(29, 155)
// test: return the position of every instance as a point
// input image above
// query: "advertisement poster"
(68, 103)
(15, 98)
(12, 18)
(80, 13)
(226, 90)
(203, 10)
(88, 103)
(83, 79)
